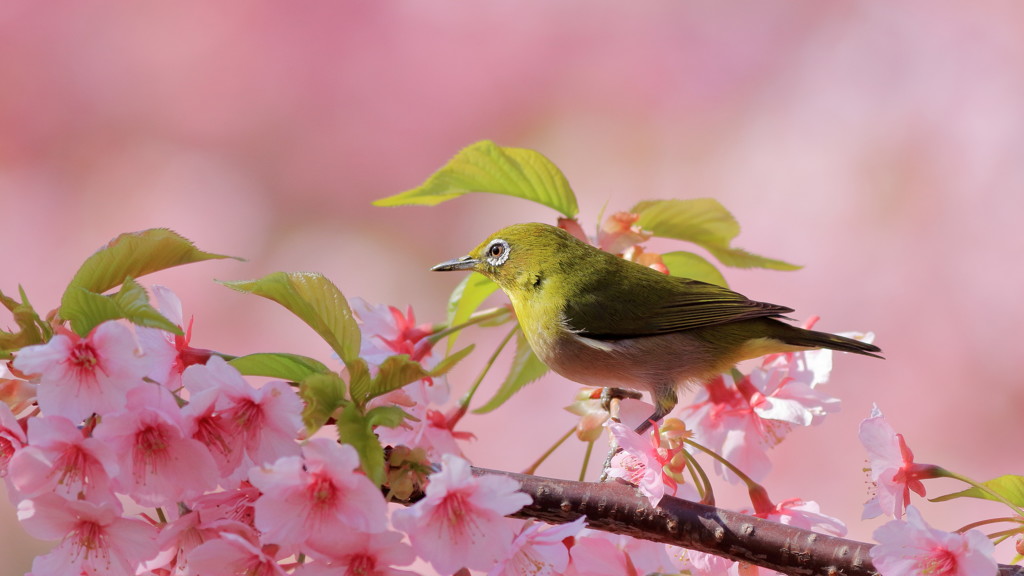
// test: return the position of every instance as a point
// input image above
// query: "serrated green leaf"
(450, 361)
(705, 222)
(359, 379)
(31, 329)
(355, 429)
(134, 255)
(387, 416)
(526, 367)
(693, 266)
(393, 373)
(466, 299)
(133, 303)
(316, 301)
(323, 394)
(1009, 486)
(487, 167)
(86, 310)
(291, 367)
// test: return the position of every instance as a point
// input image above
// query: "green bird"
(603, 321)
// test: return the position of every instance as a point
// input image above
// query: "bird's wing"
(668, 304)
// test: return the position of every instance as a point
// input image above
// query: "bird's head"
(521, 256)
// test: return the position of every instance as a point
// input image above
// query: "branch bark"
(618, 508)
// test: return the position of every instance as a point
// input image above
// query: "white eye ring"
(497, 252)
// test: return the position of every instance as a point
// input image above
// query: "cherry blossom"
(795, 512)
(386, 332)
(606, 554)
(362, 553)
(94, 538)
(460, 521)
(81, 376)
(229, 415)
(233, 553)
(913, 547)
(63, 460)
(160, 463)
(537, 551)
(313, 498)
(643, 461)
(12, 437)
(171, 353)
(893, 469)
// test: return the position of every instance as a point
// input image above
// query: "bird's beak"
(464, 263)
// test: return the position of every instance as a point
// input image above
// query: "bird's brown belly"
(647, 363)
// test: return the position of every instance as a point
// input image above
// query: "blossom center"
(322, 492)
(940, 562)
(361, 565)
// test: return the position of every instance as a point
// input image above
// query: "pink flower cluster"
(138, 454)
(741, 419)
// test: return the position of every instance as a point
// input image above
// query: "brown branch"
(618, 508)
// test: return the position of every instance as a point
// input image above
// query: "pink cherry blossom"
(724, 421)
(620, 232)
(171, 353)
(643, 462)
(913, 547)
(431, 430)
(94, 538)
(160, 463)
(460, 521)
(235, 554)
(12, 437)
(363, 554)
(795, 512)
(893, 469)
(313, 498)
(229, 415)
(605, 554)
(81, 376)
(537, 551)
(704, 564)
(62, 460)
(16, 393)
(386, 332)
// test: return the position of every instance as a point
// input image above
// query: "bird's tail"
(815, 339)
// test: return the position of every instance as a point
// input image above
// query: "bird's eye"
(497, 252)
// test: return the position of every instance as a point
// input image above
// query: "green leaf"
(487, 167)
(323, 394)
(393, 373)
(693, 266)
(316, 301)
(134, 255)
(86, 309)
(526, 367)
(451, 360)
(291, 367)
(387, 416)
(356, 429)
(1008, 486)
(31, 329)
(704, 222)
(133, 302)
(126, 257)
(466, 299)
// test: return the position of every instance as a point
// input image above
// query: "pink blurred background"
(879, 145)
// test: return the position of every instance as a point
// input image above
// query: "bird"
(603, 321)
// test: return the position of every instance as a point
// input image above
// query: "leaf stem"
(942, 472)
(532, 468)
(464, 402)
(477, 318)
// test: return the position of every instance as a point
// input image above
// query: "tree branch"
(618, 508)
